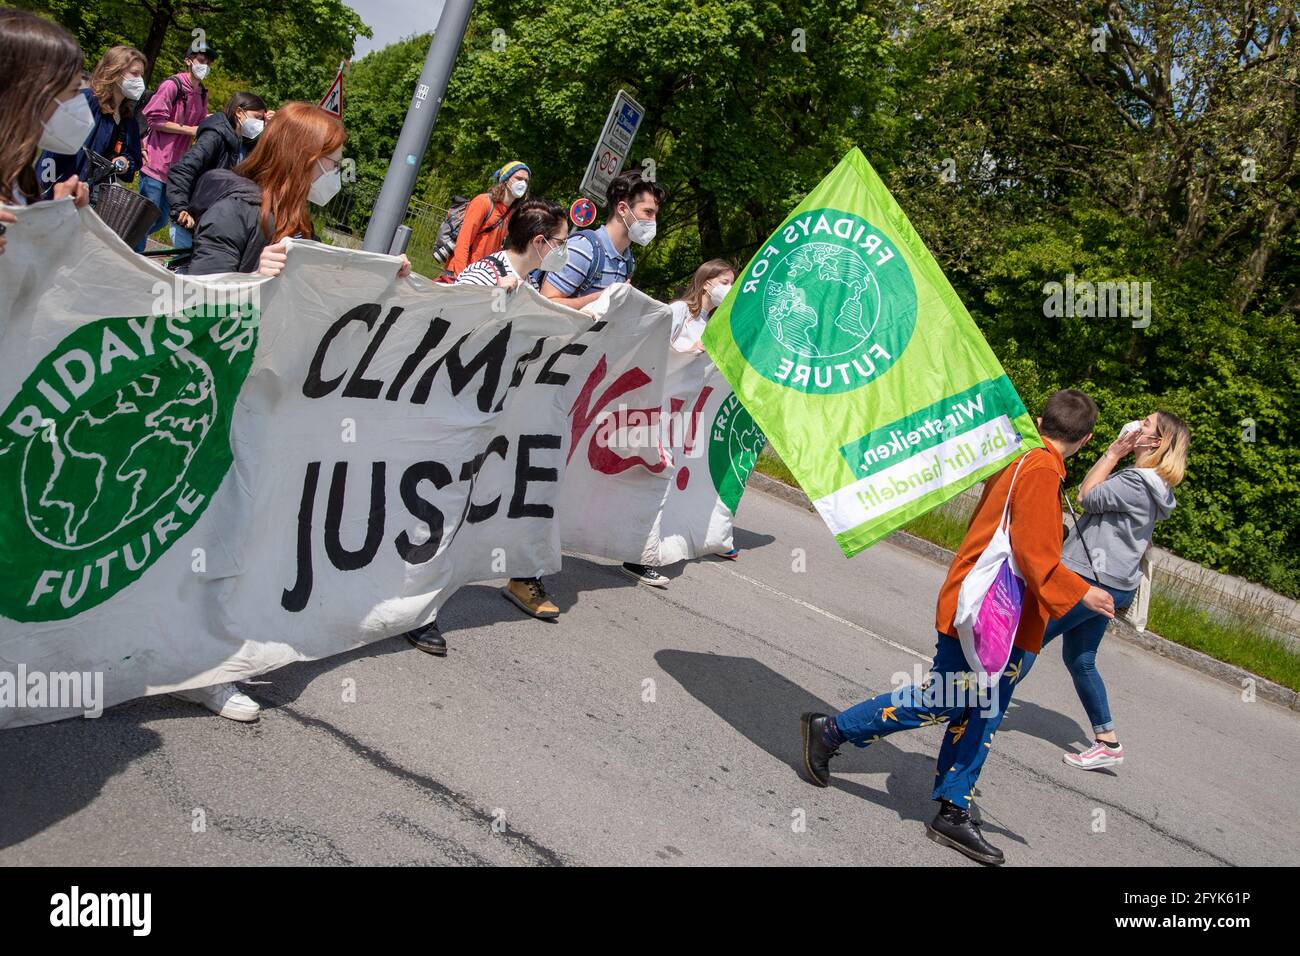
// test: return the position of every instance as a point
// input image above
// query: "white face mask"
(132, 87)
(1130, 427)
(519, 187)
(718, 293)
(556, 259)
(66, 131)
(251, 127)
(199, 70)
(641, 231)
(326, 186)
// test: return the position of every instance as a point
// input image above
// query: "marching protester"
(174, 113)
(223, 141)
(116, 83)
(1029, 492)
(487, 217)
(41, 108)
(599, 258)
(602, 257)
(708, 287)
(244, 214)
(534, 240)
(1105, 547)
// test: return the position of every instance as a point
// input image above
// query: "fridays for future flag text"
(847, 345)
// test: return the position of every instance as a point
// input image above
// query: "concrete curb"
(1188, 657)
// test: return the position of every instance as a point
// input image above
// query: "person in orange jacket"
(949, 694)
(487, 217)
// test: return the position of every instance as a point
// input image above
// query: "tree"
(281, 49)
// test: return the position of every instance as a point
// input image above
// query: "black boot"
(428, 639)
(952, 826)
(816, 755)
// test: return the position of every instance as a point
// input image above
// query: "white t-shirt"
(688, 327)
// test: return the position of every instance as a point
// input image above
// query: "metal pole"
(412, 142)
(400, 240)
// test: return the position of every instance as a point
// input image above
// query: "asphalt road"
(653, 727)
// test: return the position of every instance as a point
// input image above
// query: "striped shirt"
(485, 272)
(571, 281)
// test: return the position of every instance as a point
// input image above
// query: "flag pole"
(413, 140)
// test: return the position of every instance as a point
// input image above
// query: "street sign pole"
(412, 142)
(613, 146)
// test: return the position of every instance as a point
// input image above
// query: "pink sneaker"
(1096, 757)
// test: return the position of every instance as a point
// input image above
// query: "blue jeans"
(945, 698)
(1082, 630)
(156, 192)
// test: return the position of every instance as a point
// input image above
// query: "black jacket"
(227, 237)
(217, 146)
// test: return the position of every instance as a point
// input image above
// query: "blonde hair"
(1169, 457)
(693, 294)
(112, 66)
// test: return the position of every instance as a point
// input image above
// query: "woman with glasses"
(535, 240)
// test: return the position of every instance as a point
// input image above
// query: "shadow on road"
(764, 707)
(51, 771)
(1044, 723)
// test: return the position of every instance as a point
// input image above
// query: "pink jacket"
(187, 107)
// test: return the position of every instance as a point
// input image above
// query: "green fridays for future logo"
(827, 304)
(735, 443)
(113, 446)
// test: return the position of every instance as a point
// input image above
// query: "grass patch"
(1237, 639)
(1177, 613)
(770, 464)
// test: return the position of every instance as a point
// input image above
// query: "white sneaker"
(1096, 757)
(225, 700)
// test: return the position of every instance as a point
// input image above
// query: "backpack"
(444, 244)
(597, 265)
(142, 121)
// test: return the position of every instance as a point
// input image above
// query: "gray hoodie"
(1119, 516)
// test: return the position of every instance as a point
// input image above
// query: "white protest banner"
(210, 478)
(680, 463)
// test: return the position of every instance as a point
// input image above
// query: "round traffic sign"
(583, 212)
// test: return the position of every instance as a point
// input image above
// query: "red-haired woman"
(244, 214)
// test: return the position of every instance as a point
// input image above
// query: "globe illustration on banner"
(827, 304)
(86, 481)
(793, 320)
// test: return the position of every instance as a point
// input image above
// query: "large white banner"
(205, 479)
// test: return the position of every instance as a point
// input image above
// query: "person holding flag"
(1029, 492)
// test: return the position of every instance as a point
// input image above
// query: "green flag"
(853, 354)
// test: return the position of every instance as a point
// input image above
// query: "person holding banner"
(244, 214)
(949, 695)
(534, 240)
(599, 258)
(487, 217)
(1106, 546)
(603, 257)
(41, 107)
(708, 287)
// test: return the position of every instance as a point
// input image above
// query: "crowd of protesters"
(231, 186)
